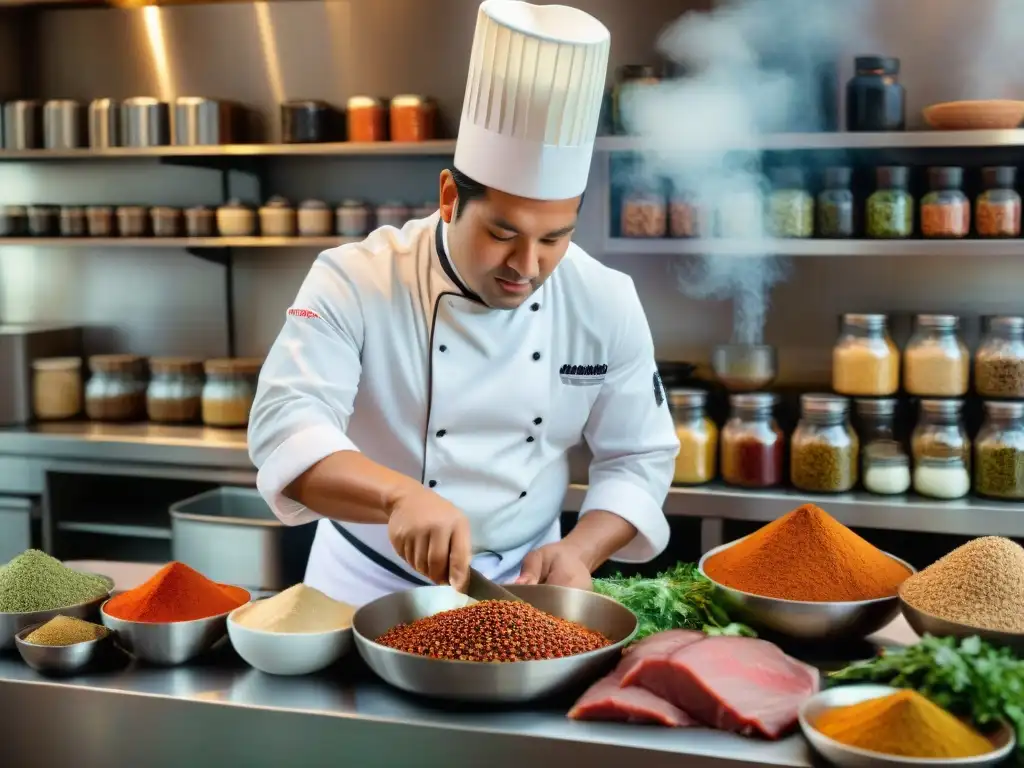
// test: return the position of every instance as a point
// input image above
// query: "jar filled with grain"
(865, 361)
(698, 437)
(943, 478)
(835, 204)
(117, 388)
(823, 453)
(999, 451)
(790, 205)
(890, 208)
(940, 432)
(997, 209)
(57, 388)
(175, 391)
(945, 210)
(229, 391)
(752, 443)
(936, 362)
(999, 362)
(644, 213)
(886, 468)
(687, 216)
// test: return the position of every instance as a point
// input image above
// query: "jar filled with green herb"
(835, 204)
(790, 205)
(890, 209)
(999, 451)
(824, 449)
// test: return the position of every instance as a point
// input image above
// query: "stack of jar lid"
(166, 390)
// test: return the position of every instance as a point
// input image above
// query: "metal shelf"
(440, 147)
(179, 242)
(813, 247)
(115, 529)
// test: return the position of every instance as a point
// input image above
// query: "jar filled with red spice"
(945, 210)
(752, 443)
(997, 209)
(412, 118)
(687, 217)
(365, 118)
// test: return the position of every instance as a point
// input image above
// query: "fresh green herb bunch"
(679, 598)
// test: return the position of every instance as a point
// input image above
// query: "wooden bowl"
(975, 115)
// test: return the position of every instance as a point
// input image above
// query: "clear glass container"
(936, 362)
(942, 477)
(999, 361)
(644, 212)
(875, 100)
(57, 388)
(875, 423)
(886, 468)
(999, 451)
(940, 432)
(698, 437)
(997, 209)
(117, 388)
(890, 208)
(865, 361)
(753, 446)
(823, 453)
(687, 216)
(835, 204)
(790, 205)
(175, 392)
(945, 210)
(229, 391)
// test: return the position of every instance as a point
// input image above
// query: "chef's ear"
(449, 196)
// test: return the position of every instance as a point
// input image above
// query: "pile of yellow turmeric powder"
(904, 723)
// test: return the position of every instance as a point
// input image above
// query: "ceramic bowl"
(975, 115)
(278, 653)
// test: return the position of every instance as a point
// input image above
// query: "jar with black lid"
(945, 210)
(835, 204)
(875, 100)
(890, 209)
(997, 209)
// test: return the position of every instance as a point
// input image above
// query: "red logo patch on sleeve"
(308, 313)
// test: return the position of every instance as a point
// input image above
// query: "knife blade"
(482, 588)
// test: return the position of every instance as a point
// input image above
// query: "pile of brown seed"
(980, 584)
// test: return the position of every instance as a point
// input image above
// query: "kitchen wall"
(158, 301)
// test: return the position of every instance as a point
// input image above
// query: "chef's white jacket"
(385, 351)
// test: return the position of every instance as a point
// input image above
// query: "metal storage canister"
(23, 125)
(145, 122)
(305, 122)
(104, 123)
(233, 537)
(203, 122)
(62, 124)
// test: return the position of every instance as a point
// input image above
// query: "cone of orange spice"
(807, 555)
(175, 593)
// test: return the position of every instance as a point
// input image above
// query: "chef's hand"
(432, 535)
(559, 564)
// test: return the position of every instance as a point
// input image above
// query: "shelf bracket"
(220, 256)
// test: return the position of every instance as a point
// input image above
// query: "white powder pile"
(297, 610)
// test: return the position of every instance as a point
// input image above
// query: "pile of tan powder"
(66, 630)
(980, 584)
(297, 610)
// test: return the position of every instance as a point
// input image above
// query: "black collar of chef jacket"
(446, 265)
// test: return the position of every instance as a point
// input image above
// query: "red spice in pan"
(493, 630)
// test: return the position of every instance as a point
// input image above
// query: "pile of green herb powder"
(34, 581)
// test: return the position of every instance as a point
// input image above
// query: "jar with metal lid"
(57, 388)
(644, 211)
(175, 392)
(132, 221)
(999, 451)
(392, 214)
(945, 210)
(936, 362)
(698, 437)
(166, 221)
(999, 361)
(316, 219)
(865, 361)
(876, 423)
(117, 388)
(790, 205)
(277, 218)
(229, 391)
(752, 443)
(940, 432)
(942, 477)
(890, 208)
(236, 219)
(823, 453)
(13, 220)
(43, 220)
(100, 221)
(886, 469)
(366, 120)
(739, 211)
(630, 80)
(875, 100)
(997, 209)
(200, 221)
(835, 204)
(412, 118)
(352, 218)
(72, 221)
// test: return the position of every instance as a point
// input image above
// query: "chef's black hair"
(471, 189)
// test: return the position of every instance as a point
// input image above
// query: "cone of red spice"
(176, 593)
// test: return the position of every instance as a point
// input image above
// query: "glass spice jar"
(886, 469)
(117, 388)
(875, 100)
(100, 220)
(875, 425)
(686, 216)
(835, 204)
(942, 477)
(999, 451)
(936, 362)
(945, 210)
(999, 361)
(57, 388)
(698, 437)
(644, 212)
(940, 432)
(412, 118)
(823, 453)
(229, 391)
(997, 209)
(890, 208)
(865, 361)
(175, 391)
(752, 443)
(790, 205)
(366, 119)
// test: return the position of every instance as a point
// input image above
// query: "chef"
(428, 383)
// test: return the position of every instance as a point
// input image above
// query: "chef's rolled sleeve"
(632, 437)
(308, 384)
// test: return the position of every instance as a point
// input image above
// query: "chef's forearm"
(349, 487)
(598, 535)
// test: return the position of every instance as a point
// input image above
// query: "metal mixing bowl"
(167, 643)
(926, 623)
(502, 682)
(1003, 740)
(803, 620)
(62, 659)
(12, 623)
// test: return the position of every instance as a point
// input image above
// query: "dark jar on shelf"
(945, 210)
(752, 443)
(997, 209)
(890, 209)
(835, 204)
(875, 100)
